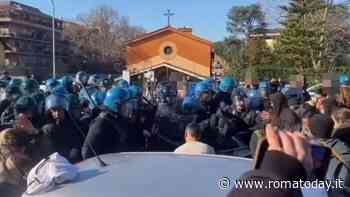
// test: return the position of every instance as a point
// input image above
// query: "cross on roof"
(169, 15)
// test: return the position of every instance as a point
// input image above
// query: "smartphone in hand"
(320, 155)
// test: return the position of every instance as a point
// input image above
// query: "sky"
(206, 17)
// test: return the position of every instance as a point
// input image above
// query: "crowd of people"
(84, 116)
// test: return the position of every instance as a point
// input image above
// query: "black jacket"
(65, 139)
(107, 134)
(222, 97)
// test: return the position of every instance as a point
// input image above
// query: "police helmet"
(227, 85)
(164, 91)
(56, 102)
(67, 83)
(60, 90)
(122, 84)
(13, 91)
(15, 82)
(115, 97)
(106, 82)
(3, 84)
(344, 80)
(51, 84)
(255, 100)
(25, 104)
(82, 77)
(98, 98)
(94, 80)
(265, 87)
(135, 91)
(201, 88)
(29, 86)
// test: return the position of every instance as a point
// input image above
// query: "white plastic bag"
(49, 173)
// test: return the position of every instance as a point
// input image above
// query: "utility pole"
(53, 39)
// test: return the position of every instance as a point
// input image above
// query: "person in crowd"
(122, 84)
(92, 108)
(108, 132)
(135, 115)
(167, 121)
(232, 127)
(294, 94)
(72, 97)
(326, 106)
(5, 75)
(193, 144)
(28, 106)
(190, 105)
(81, 78)
(288, 158)
(344, 92)
(13, 93)
(166, 103)
(274, 86)
(318, 127)
(250, 117)
(223, 97)
(30, 87)
(15, 163)
(62, 130)
(340, 143)
(51, 84)
(204, 95)
(256, 102)
(280, 115)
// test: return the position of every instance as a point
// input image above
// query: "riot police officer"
(108, 133)
(50, 85)
(30, 87)
(223, 97)
(204, 95)
(82, 78)
(72, 97)
(12, 93)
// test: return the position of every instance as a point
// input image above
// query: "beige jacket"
(195, 148)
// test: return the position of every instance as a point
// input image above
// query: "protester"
(281, 116)
(340, 143)
(193, 144)
(326, 106)
(288, 159)
(91, 115)
(5, 76)
(344, 97)
(64, 136)
(15, 164)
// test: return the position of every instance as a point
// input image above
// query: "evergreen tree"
(309, 43)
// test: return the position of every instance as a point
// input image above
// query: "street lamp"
(53, 40)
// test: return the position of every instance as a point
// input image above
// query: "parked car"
(154, 174)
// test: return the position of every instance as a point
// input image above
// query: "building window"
(168, 50)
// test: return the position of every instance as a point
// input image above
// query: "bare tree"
(101, 35)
